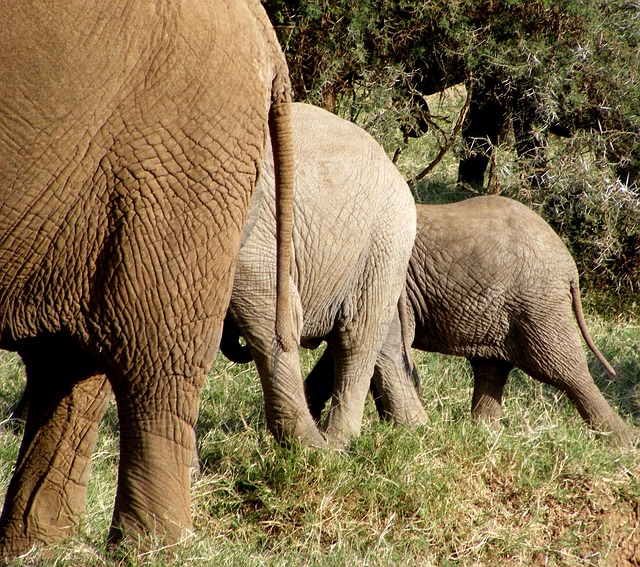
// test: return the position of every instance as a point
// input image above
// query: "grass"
(540, 489)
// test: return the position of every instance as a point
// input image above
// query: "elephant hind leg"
(592, 405)
(396, 384)
(565, 367)
(559, 359)
(286, 411)
(157, 443)
(66, 400)
(490, 377)
(596, 411)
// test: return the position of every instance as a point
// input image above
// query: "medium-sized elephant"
(354, 229)
(491, 281)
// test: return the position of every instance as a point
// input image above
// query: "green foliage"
(596, 214)
(577, 56)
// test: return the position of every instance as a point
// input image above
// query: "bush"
(596, 214)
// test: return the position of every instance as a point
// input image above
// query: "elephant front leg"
(490, 377)
(47, 493)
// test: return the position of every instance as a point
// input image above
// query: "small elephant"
(130, 143)
(491, 281)
(353, 233)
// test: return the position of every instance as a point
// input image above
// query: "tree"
(551, 65)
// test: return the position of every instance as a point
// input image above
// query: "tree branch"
(452, 137)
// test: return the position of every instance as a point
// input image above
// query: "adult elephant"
(130, 142)
(353, 233)
(491, 281)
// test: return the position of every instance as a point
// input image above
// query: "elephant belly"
(472, 331)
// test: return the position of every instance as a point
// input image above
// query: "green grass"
(539, 489)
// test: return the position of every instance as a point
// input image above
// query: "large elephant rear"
(131, 138)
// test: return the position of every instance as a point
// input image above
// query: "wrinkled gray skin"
(130, 142)
(353, 233)
(490, 280)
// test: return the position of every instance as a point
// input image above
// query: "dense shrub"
(597, 215)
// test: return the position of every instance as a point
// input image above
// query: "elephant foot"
(599, 415)
(621, 435)
(486, 414)
(417, 418)
(50, 516)
(318, 442)
(403, 416)
(338, 443)
(629, 439)
(131, 534)
(340, 438)
(309, 436)
(12, 547)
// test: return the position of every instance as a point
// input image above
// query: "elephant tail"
(281, 134)
(410, 367)
(577, 309)
(230, 344)
(282, 145)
